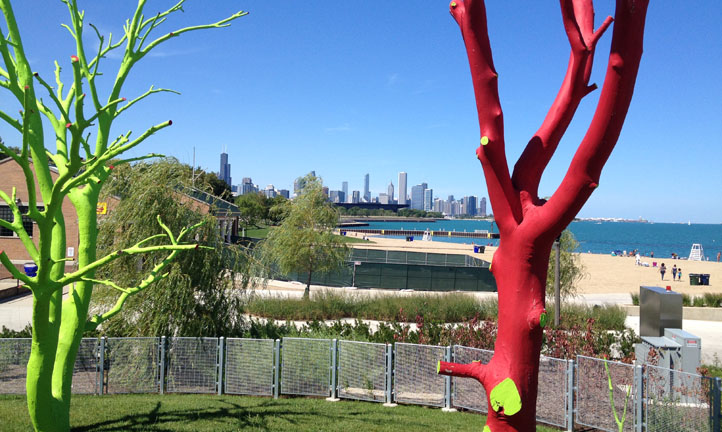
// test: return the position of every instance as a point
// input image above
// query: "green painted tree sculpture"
(528, 224)
(73, 112)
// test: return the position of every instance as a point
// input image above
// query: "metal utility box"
(669, 351)
(658, 309)
(690, 349)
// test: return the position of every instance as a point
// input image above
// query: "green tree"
(571, 269)
(200, 296)
(252, 207)
(75, 113)
(13, 149)
(305, 242)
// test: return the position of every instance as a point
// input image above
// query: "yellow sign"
(102, 208)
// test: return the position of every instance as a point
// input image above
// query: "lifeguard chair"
(697, 253)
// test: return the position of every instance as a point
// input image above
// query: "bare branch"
(143, 96)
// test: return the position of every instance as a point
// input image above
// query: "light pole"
(557, 305)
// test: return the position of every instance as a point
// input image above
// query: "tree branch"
(470, 15)
(583, 175)
(578, 19)
(143, 96)
(133, 250)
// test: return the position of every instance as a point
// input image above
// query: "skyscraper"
(391, 193)
(402, 188)
(417, 196)
(428, 199)
(356, 197)
(470, 205)
(344, 188)
(367, 192)
(225, 172)
(482, 207)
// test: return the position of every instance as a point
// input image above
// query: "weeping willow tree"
(77, 114)
(304, 242)
(201, 294)
(571, 268)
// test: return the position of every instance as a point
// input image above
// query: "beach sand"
(604, 274)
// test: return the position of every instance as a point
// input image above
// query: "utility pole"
(557, 302)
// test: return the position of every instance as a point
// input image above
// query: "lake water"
(598, 237)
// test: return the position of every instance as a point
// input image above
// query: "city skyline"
(356, 104)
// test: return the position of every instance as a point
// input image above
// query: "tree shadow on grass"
(230, 417)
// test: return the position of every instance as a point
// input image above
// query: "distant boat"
(689, 223)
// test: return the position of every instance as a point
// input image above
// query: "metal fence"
(415, 377)
(306, 366)
(590, 392)
(605, 395)
(677, 401)
(415, 258)
(250, 366)
(362, 371)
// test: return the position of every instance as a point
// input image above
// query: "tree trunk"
(307, 290)
(510, 378)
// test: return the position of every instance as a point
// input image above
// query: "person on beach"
(718, 255)
(663, 270)
(674, 272)
(679, 274)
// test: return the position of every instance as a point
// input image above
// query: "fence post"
(334, 366)
(447, 384)
(221, 357)
(161, 375)
(100, 369)
(571, 392)
(389, 376)
(717, 404)
(276, 367)
(639, 397)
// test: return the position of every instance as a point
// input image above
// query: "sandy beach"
(604, 274)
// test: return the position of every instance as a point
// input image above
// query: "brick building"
(11, 175)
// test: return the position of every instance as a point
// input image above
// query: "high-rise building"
(284, 193)
(356, 197)
(325, 190)
(390, 193)
(402, 188)
(225, 171)
(482, 207)
(367, 192)
(428, 199)
(270, 191)
(337, 196)
(344, 188)
(247, 186)
(417, 196)
(469, 205)
(384, 198)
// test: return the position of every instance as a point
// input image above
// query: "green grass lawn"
(231, 413)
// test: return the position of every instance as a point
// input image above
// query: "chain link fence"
(608, 396)
(131, 365)
(415, 377)
(677, 401)
(192, 365)
(85, 372)
(469, 393)
(306, 366)
(14, 356)
(362, 371)
(249, 366)
(605, 395)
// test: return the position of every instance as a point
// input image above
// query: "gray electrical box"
(690, 349)
(669, 351)
(658, 309)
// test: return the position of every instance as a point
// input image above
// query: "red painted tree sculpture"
(528, 225)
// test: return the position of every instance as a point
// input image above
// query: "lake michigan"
(598, 237)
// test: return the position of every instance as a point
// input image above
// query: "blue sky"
(346, 88)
